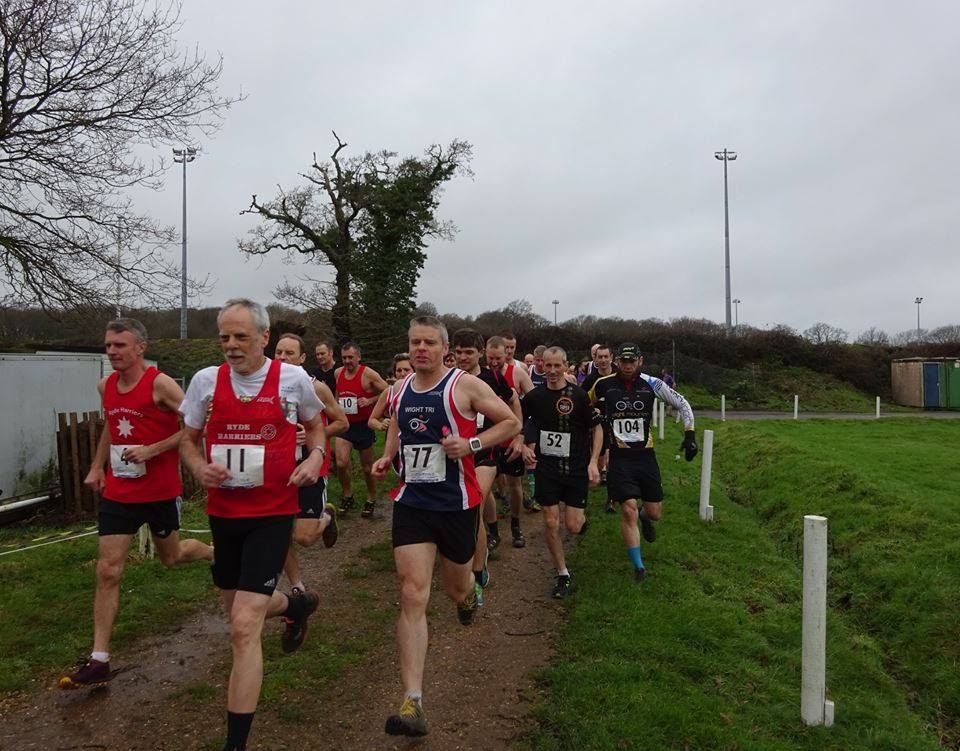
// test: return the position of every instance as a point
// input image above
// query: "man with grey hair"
(136, 469)
(240, 442)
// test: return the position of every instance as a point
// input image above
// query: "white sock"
(100, 656)
(415, 695)
(300, 585)
(563, 572)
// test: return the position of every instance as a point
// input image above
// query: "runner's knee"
(245, 627)
(109, 571)
(413, 596)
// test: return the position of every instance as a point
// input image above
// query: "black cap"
(628, 351)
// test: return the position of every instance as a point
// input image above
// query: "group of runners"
(256, 434)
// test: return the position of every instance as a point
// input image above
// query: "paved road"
(934, 415)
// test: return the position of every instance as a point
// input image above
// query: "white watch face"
(475, 444)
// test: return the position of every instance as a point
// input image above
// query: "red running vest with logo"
(257, 443)
(353, 388)
(134, 420)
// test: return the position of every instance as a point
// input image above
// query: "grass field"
(706, 654)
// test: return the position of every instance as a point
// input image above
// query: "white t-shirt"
(297, 396)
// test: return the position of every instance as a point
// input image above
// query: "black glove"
(689, 445)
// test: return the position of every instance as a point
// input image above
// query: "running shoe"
(646, 527)
(531, 505)
(347, 503)
(484, 579)
(611, 508)
(409, 721)
(332, 531)
(563, 587)
(467, 609)
(639, 575)
(492, 542)
(519, 541)
(368, 507)
(295, 630)
(90, 672)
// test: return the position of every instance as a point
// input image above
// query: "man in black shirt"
(626, 401)
(561, 435)
(602, 366)
(326, 373)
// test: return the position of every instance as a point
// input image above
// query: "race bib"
(348, 404)
(125, 469)
(424, 462)
(244, 461)
(629, 430)
(554, 444)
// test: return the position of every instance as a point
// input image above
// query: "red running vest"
(134, 420)
(257, 443)
(352, 388)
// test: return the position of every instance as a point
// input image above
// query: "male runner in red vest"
(240, 441)
(137, 470)
(358, 388)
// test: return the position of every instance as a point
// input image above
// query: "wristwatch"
(321, 449)
(475, 444)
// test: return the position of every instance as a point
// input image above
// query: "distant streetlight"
(918, 301)
(555, 304)
(726, 156)
(736, 312)
(182, 156)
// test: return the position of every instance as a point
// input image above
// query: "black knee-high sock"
(238, 729)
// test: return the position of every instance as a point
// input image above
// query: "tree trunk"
(341, 308)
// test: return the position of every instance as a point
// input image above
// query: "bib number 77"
(424, 462)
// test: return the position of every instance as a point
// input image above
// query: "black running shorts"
(453, 532)
(635, 477)
(249, 553)
(313, 499)
(509, 467)
(117, 518)
(553, 489)
(360, 435)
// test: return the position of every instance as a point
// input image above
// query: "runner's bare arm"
(336, 420)
(593, 469)
(376, 421)
(96, 478)
(308, 471)
(516, 446)
(167, 395)
(382, 465)
(524, 384)
(372, 381)
(208, 475)
(473, 395)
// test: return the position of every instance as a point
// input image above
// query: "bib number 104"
(629, 429)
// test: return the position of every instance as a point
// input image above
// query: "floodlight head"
(731, 155)
(718, 155)
(918, 300)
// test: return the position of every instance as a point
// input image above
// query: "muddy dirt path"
(478, 689)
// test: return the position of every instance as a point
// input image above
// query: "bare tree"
(824, 333)
(84, 88)
(875, 337)
(367, 217)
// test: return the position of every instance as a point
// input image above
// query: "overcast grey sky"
(594, 128)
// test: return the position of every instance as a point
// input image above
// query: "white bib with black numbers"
(245, 462)
(123, 468)
(348, 404)
(629, 429)
(424, 462)
(554, 444)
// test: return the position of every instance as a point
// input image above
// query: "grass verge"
(706, 654)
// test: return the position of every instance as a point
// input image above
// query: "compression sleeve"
(671, 397)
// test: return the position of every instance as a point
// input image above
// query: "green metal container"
(944, 367)
(953, 384)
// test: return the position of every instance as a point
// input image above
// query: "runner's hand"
(137, 454)
(455, 448)
(689, 445)
(301, 435)
(96, 479)
(593, 474)
(529, 457)
(380, 468)
(213, 475)
(307, 472)
(516, 447)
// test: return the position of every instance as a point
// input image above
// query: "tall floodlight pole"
(736, 312)
(918, 301)
(555, 304)
(182, 156)
(726, 156)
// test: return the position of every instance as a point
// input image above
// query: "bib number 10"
(629, 429)
(349, 405)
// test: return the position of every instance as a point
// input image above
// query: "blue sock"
(635, 556)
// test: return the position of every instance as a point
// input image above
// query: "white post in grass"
(796, 406)
(878, 407)
(145, 542)
(706, 467)
(663, 417)
(723, 407)
(815, 708)
(656, 412)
